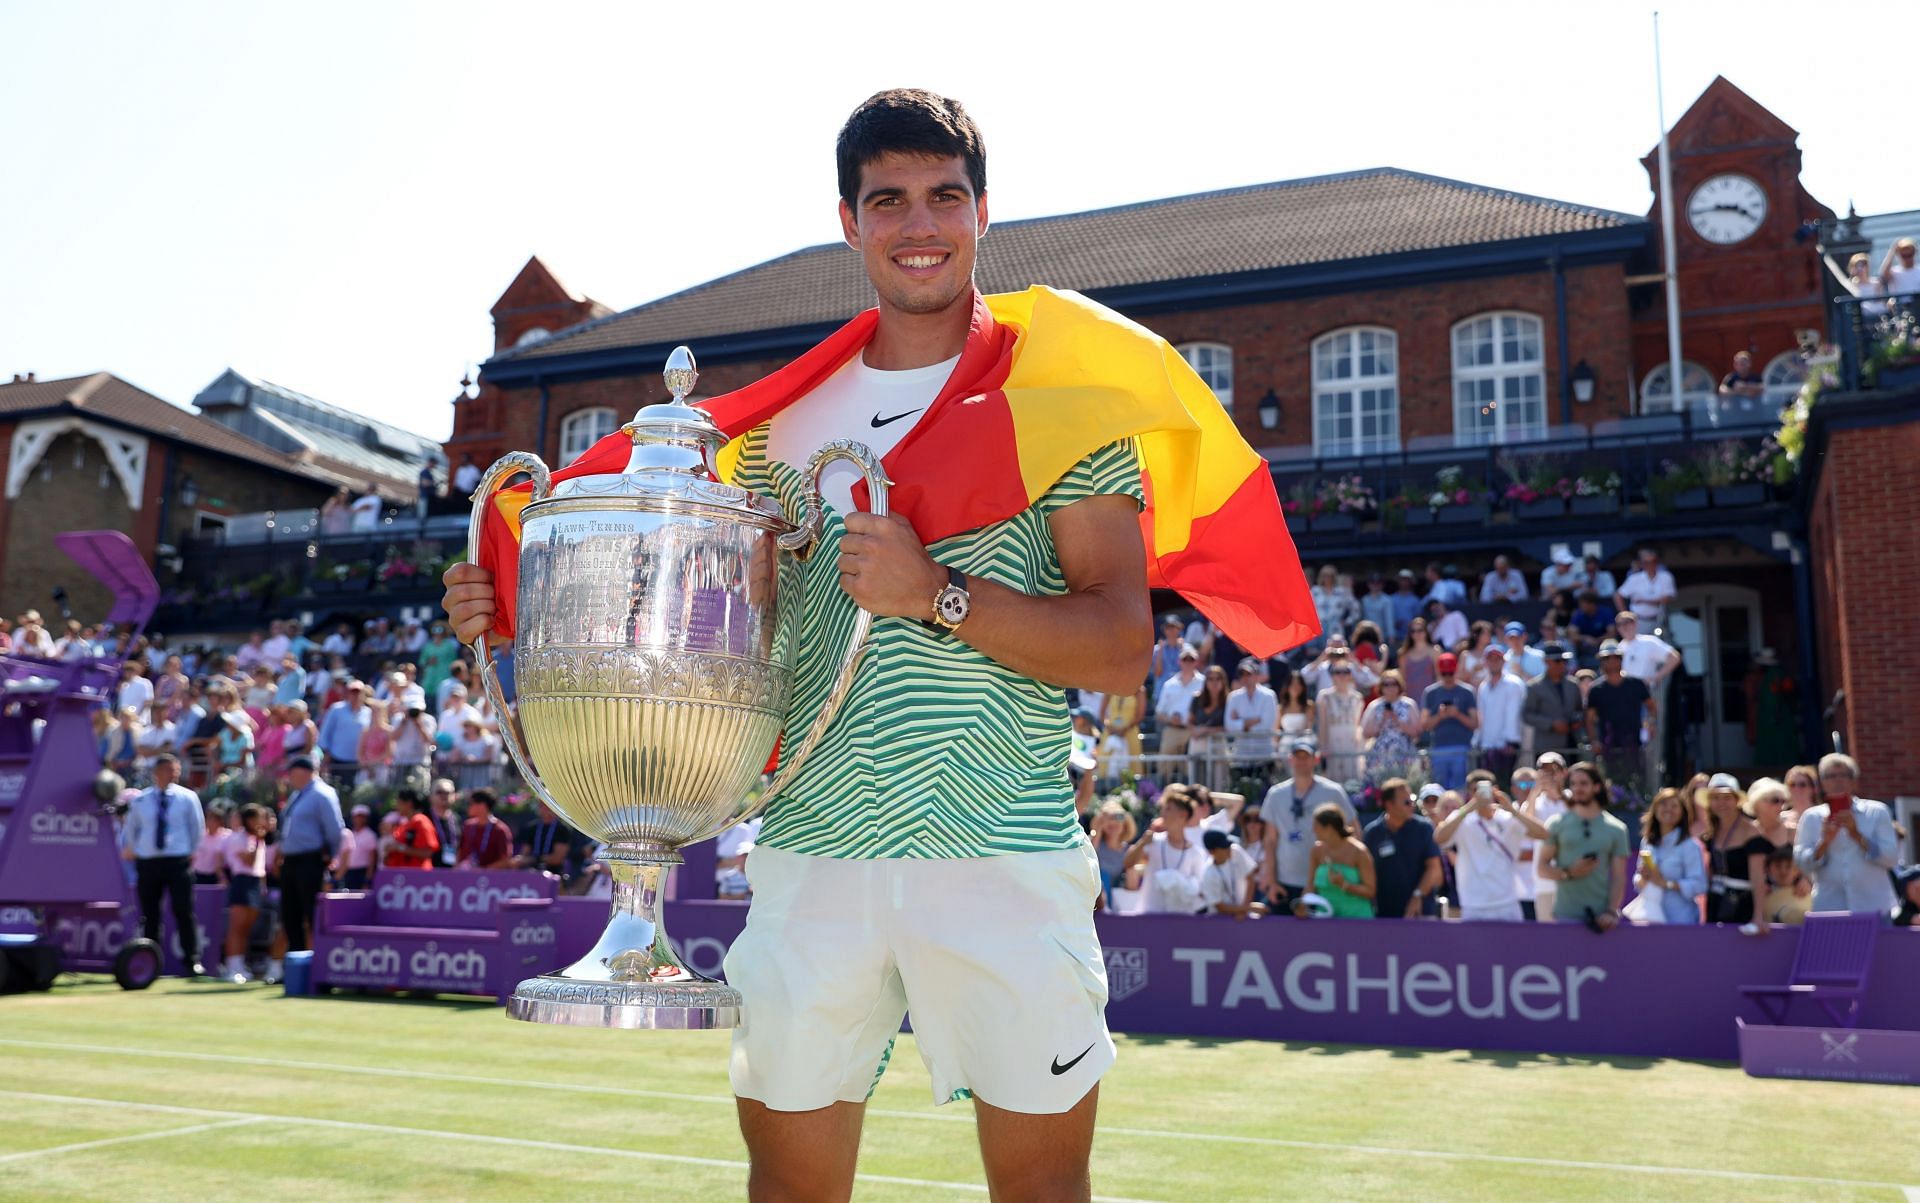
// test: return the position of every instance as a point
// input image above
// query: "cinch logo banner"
(434, 968)
(53, 827)
(352, 965)
(429, 898)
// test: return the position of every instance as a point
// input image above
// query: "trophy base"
(633, 977)
(696, 1005)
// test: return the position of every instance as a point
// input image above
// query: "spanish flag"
(1046, 377)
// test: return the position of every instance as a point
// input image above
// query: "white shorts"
(1505, 912)
(996, 957)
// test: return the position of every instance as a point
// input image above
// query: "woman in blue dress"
(1671, 859)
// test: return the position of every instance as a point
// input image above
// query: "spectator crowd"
(1505, 771)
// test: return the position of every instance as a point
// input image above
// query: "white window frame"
(1213, 362)
(583, 428)
(1784, 374)
(1341, 347)
(1501, 372)
(1699, 389)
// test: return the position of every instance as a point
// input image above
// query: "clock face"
(1727, 209)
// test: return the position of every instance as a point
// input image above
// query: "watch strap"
(956, 579)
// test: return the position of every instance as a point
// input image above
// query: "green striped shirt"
(938, 751)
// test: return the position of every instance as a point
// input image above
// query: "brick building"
(97, 453)
(1391, 326)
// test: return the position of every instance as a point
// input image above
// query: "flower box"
(1331, 523)
(1591, 506)
(1541, 507)
(1750, 492)
(1472, 514)
(1691, 499)
(1899, 375)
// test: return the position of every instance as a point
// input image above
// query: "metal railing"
(1652, 465)
(1867, 330)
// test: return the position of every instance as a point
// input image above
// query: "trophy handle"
(503, 470)
(862, 457)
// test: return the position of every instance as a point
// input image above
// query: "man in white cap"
(1564, 573)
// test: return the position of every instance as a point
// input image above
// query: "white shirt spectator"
(1262, 708)
(274, 650)
(366, 512)
(136, 692)
(408, 695)
(453, 718)
(481, 749)
(1544, 809)
(1601, 582)
(734, 841)
(1226, 882)
(1646, 595)
(338, 644)
(1902, 279)
(1449, 631)
(1176, 697)
(1500, 702)
(1555, 577)
(1486, 850)
(1642, 656)
(1161, 870)
(413, 740)
(1509, 586)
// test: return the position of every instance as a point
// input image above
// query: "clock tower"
(1749, 281)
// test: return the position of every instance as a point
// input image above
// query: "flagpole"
(1675, 374)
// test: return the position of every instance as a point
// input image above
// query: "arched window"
(1785, 373)
(535, 334)
(1214, 364)
(1499, 379)
(1697, 390)
(1356, 392)
(582, 429)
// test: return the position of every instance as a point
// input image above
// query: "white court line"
(481, 1138)
(121, 1140)
(1102, 1129)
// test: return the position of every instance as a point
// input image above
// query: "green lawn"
(447, 1100)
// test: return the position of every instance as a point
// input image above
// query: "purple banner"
(1647, 991)
(450, 897)
(90, 934)
(1834, 1054)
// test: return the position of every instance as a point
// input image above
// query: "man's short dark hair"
(908, 121)
(411, 797)
(168, 759)
(485, 797)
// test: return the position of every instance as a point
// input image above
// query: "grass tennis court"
(201, 1091)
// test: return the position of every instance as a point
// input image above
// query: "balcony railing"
(1879, 340)
(1658, 468)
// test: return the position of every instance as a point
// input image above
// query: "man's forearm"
(1617, 884)
(1091, 639)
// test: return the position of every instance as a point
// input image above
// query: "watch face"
(953, 606)
(1727, 209)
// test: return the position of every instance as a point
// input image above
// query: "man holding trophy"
(919, 849)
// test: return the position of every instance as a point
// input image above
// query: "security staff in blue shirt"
(162, 827)
(310, 834)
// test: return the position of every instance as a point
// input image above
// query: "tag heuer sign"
(1126, 972)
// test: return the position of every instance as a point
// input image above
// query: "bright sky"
(331, 197)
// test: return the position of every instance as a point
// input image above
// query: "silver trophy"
(658, 622)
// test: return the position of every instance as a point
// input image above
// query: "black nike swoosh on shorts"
(879, 421)
(1059, 1069)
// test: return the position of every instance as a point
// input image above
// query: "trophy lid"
(675, 452)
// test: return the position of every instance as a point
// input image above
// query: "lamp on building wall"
(1583, 379)
(1269, 411)
(189, 492)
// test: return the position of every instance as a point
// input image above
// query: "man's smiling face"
(916, 223)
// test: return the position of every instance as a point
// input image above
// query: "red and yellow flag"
(1046, 377)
